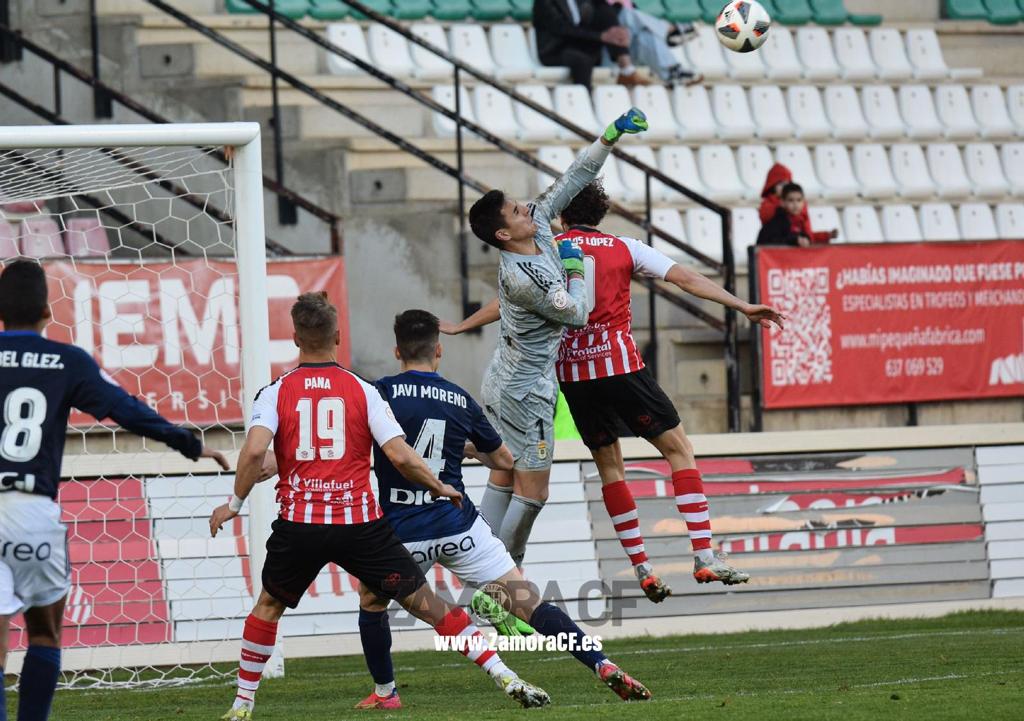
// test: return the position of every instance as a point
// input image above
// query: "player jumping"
(541, 290)
(322, 420)
(40, 382)
(447, 423)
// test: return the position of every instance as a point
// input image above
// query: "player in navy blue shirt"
(444, 424)
(40, 381)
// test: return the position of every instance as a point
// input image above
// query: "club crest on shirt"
(542, 450)
(560, 300)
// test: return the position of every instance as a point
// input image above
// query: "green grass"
(962, 666)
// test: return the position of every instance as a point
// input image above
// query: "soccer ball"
(743, 25)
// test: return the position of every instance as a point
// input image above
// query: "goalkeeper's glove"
(630, 122)
(572, 259)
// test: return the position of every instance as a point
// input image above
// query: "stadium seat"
(669, 220)
(816, 55)
(490, 10)
(635, 179)
(745, 226)
(990, 110)
(947, 170)
(573, 102)
(411, 9)
(609, 100)
(977, 222)
(889, 54)
(900, 224)
(842, 106)
(469, 44)
(8, 241)
(779, 55)
(558, 157)
(1015, 105)
(860, 224)
(754, 162)
(451, 9)
(881, 112)
(769, 112)
(966, 10)
(732, 112)
(938, 222)
(745, 66)
(954, 111)
(853, 54)
(706, 55)
(655, 101)
(616, 187)
(792, 12)
(693, 113)
(985, 171)
(829, 12)
(533, 125)
(427, 65)
(350, 37)
(918, 111)
(682, 11)
(85, 236)
(910, 169)
(295, 9)
(704, 232)
(804, 103)
(544, 72)
(710, 9)
(654, 8)
(40, 238)
(511, 51)
(826, 217)
(1003, 12)
(493, 110)
(444, 127)
(871, 166)
(1012, 155)
(832, 163)
(925, 54)
(1010, 220)
(318, 9)
(718, 171)
(798, 159)
(522, 10)
(389, 50)
(678, 163)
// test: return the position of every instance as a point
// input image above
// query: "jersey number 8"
(330, 427)
(24, 413)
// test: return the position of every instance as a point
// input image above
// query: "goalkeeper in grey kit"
(541, 290)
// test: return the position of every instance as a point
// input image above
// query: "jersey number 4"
(24, 413)
(329, 427)
(430, 444)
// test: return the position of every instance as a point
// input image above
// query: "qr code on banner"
(802, 353)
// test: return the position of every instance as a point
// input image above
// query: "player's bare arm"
(250, 471)
(497, 460)
(694, 283)
(412, 467)
(488, 314)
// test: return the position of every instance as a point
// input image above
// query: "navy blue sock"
(39, 674)
(3, 697)
(375, 633)
(550, 620)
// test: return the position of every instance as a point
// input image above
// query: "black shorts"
(297, 552)
(601, 407)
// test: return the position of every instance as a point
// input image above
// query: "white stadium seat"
(389, 50)
(427, 65)
(1012, 155)
(754, 162)
(835, 172)
(769, 112)
(860, 223)
(779, 55)
(732, 112)
(745, 226)
(614, 184)
(704, 232)
(910, 169)
(1015, 104)
(882, 112)
(990, 110)
(533, 125)
(445, 95)
(798, 159)
(954, 110)
(348, 36)
(469, 44)
(938, 222)
(718, 171)
(654, 100)
(826, 217)
(871, 166)
(669, 220)
(815, 51)
(977, 222)
(558, 157)
(842, 106)
(745, 66)
(926, 55)
(853, 54)
(609, 101)
(693, 113)
(705, 53)
(947, 170)
(807, 112)
(544, 72)
(900, 224)
(1010, 220)
(573, 103)
(985, 171)
(511, 51)
(635, 179)
(918, 111)
(678, 163)
(493, 110)
(889, 54)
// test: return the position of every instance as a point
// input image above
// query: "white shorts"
(476, 556)
(34, 566)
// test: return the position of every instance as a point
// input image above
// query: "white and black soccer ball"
(743, 25)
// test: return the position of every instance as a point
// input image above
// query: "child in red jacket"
(771, 199)
(790, 224)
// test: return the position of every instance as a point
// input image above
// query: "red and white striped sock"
(693, 504)
(618, 501)
(258, 640)
(457, 623)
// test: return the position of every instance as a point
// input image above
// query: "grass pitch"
(962, 666)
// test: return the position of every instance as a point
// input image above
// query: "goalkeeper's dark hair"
(588, 207)
(23, 294)
(485, 217)
(416, 334)
(315, 321)
(791, 188)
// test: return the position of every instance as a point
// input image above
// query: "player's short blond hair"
(315, 321)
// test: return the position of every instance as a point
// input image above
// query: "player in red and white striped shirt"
(323, 421)
(606, 385)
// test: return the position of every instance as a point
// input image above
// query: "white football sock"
(384, 689)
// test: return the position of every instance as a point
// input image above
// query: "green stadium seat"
(411, 9)
(522, 9)
(966, 10)
(295, 9)
(451, 9)
(792, 12)
(651, 7)
(329, 10)
(829, 12)
(1003, 12)
(710, 9)
(682, 11)
(488, 10)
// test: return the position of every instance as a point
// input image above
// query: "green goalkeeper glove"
(630, 122)
(572, 259)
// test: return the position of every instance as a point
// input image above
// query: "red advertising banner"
(169, 332)
(893, 323)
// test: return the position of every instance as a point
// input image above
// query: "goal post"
(153, 240)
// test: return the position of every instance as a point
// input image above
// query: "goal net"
(153, 244)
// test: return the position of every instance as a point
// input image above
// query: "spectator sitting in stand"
(790, 224)
(771, 198)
